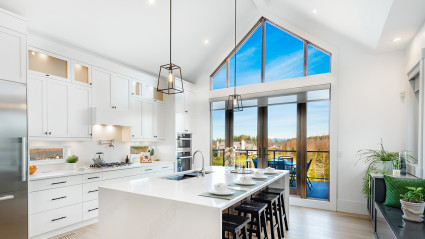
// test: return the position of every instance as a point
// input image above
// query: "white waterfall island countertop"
(163, 208)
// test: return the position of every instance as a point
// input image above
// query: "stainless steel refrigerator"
(13, 161)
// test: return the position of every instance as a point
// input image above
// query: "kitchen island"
(161, 208)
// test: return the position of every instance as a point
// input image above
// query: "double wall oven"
(184, 152)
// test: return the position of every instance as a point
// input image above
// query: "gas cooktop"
(110, 165)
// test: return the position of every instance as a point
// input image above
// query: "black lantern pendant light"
(174, 77)
(234, 102)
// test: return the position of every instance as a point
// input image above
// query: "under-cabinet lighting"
(43, 55)
(77, 65)
(33, 52)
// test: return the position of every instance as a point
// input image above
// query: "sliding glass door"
(289, 132)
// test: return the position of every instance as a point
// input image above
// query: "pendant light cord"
(235, 51)
(170, 34)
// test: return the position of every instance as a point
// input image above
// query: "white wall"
(415, 50)
(368, 108)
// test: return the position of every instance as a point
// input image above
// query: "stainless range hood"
(113, 117)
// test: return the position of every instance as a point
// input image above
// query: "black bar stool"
(271, 201)
(257, 211)
(234, 224)
(280, 206)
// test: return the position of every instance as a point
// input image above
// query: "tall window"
(284, 55)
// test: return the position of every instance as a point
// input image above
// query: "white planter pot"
(396, 173)
(386, 166)
(70, 166)
(413, 211)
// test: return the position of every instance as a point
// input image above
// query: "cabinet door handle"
(92, 191)
(46, 133)
(6, 197)
(165, 167)
(47, 75)
(58, 182)
(94, 209)
(93, 177)
(57, 219)
(149, 169)
(53, 199)
(50, 133)
(186, 111)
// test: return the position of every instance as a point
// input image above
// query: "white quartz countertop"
(188, 190)
(64, 173)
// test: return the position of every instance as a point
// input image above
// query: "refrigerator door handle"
(24, 159)
(6, 197)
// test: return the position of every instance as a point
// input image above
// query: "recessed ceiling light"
(151, 2)
(206, 41)
(397, 39)
(314, 11)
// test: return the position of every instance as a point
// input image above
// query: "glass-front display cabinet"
(51, 66)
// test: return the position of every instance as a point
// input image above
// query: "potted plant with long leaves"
(379, 161)
(412, 204)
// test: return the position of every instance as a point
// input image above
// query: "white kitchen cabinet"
(57, 108)
(185, 102)
(47, 64)
(101, 83)
(120, 93)
(147, 119)
(110, 90)
(158, 121)
(37, 111)
(13, 60)
(183, 123)
(136, 108)
(80, 111)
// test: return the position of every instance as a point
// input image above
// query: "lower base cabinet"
(60, 202)
(55, 219)
(90, 209)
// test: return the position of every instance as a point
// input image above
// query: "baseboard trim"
(352, 207)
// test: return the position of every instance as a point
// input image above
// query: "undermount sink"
(185, 176)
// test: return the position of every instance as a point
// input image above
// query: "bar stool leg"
(264, 219)
(282, 231)
(276, 215)
(284, 212)
(270, 212)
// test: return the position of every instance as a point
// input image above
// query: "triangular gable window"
(283, 58)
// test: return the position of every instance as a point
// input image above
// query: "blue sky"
(282, 121)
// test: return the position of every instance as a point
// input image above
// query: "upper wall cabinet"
(110, 90)
(58, 109)
(145, 91)
(13, 55)
(185, 102)
(81, 73)
(47, 64)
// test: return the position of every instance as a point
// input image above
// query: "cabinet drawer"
(55, 183)
(92, 177)
(90, 209)
(150, 169)
(120, 173)
(166, 167)
(120, 180)
(55, 198)
(91, 191)
(54, 219)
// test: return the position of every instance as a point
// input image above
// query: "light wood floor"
(305, 223)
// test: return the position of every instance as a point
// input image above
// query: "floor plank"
(305, 223)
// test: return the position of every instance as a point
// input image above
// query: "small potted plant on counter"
(396, 168)
(72, 161)
(412, 204)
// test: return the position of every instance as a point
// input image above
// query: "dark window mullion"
(305, 57)
(263, 50)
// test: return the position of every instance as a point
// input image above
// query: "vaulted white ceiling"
(135, 32)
